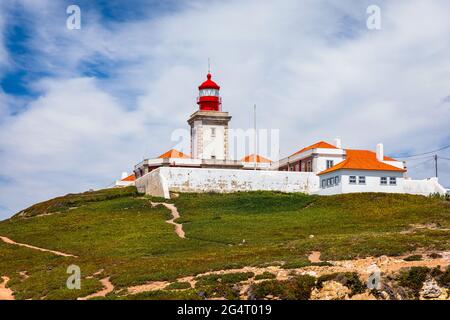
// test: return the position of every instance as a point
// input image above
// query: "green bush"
(178, 286)
(298, 288)
(265, 275)
(296, 264)
(224, 278)
(413, 279)
(272, 287)
(219, 290)
(416, 257)
(444, 278)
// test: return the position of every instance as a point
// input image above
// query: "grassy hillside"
(119, 232)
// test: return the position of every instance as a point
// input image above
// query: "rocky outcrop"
(432, 291)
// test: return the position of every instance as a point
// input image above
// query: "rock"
(385, 295)
(431, 290)
(331, 290)
(363, 296)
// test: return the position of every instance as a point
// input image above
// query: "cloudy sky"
(78, 107)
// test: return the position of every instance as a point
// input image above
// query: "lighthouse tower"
(209, 124)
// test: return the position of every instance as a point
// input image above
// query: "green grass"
(178, 286)
(265, 275)
(117, 230)
(297, 288)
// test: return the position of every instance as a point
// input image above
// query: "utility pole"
(256, 139)
(436, 164)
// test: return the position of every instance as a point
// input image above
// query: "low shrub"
(416, 257)
(297, 288)
(178, 286)
(413, 279)
(265, 275)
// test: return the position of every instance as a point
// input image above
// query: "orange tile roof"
(363, 160)
(172, 153)
(131, 177)
(320, 144)
(251, 158)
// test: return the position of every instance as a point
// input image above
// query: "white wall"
(321, 162)
(424, 187)
(164, 179)
(213, 145)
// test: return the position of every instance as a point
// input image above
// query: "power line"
(421, 158)
(421, 154)
(419, 164)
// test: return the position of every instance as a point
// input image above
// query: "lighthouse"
(209, 124)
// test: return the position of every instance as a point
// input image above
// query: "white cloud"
(312, 67)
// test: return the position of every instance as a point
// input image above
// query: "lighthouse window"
(209, 93)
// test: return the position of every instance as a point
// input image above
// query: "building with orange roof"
(126, 180)
(257, 162)
(313, 158)
(322, 167)
(363, 171)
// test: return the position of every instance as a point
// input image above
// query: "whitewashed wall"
(162, 180)
(423, 187)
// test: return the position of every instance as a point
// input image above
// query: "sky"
(78, 107)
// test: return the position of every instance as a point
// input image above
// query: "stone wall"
(162, 180)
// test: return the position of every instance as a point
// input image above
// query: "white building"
(126, 180)
(363, 171)
(320, 168)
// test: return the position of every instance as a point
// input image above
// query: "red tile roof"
(172, 153)
(131, 177)
(259, 159)
(320, 144)
(363, 160)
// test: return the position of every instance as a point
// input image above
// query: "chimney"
(338, 143)
(380, 152)
(124, 175)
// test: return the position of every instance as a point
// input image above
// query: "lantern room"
(209, 98)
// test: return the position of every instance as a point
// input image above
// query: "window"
(309, 166)
(362, 180)
(383, 181)
(392, 181)
(336, 180)
(213, 132)
(352, 180)
(209, 93)
(330, 163)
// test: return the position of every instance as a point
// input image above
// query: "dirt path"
(58, 253)
(5, 293)
(175, 215)
(151, 286)
(107, 288)
(364, 267)
(314, 257)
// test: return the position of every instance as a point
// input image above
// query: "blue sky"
(78, 107)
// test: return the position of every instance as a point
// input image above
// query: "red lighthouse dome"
(209, 98)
